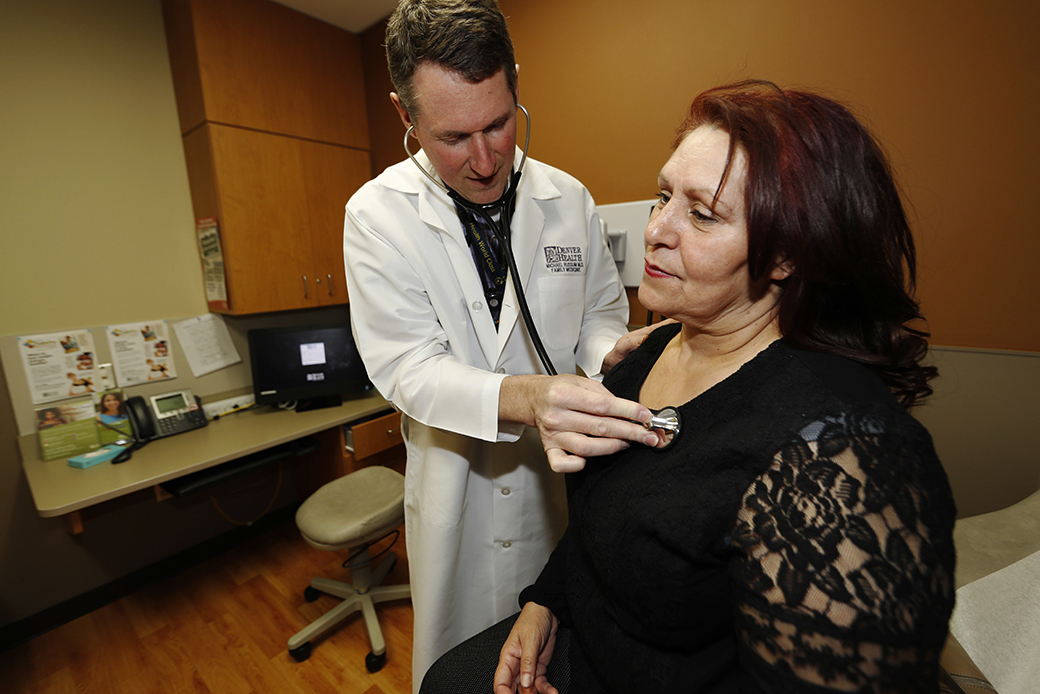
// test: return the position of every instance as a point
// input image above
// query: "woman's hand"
(527, 652)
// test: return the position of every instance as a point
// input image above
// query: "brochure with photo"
(67, 429)
(113, 424)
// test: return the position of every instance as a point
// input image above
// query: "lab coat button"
(477, 305)
(506, 491)
(501, 370)
(507, 544)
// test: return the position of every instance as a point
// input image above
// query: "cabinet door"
(260, 65)
(331, 175)
(264, 220)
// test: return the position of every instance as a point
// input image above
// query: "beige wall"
(96, 214)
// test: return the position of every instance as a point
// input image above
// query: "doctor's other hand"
(527, 651)
(628, 343)
(577, 417)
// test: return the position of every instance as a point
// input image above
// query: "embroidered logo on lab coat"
(564, 259)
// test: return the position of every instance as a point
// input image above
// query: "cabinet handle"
(305, 294)
(391, 432)
(329, 277)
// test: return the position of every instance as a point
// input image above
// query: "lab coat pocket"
(561, 301)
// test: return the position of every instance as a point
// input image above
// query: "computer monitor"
(314, 366)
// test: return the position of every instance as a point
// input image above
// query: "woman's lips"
(655, 271)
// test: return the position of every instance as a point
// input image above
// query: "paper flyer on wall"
(141, 352)
(67, 429)
(212, 263)
(59, 365)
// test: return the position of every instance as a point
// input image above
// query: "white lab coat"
(483, 509)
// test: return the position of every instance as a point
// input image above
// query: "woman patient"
(796, 535)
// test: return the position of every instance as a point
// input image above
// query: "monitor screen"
(315, 366)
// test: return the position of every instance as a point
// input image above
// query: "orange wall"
(952, 88)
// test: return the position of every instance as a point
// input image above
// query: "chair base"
(362, 595)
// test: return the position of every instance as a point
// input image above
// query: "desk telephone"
(165, 415)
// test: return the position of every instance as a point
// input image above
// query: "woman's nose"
(660, 230)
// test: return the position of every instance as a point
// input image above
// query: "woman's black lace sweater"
(796, 536)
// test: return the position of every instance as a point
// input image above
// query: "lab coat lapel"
(437, 211)
(528, 225)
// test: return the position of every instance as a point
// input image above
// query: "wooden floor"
(221, 627)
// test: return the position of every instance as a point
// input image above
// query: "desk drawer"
(376, 435)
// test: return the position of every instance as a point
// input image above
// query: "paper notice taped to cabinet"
(212, 263)
(206, 343)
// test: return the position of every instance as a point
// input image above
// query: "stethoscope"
(666, 419)
(501, 230)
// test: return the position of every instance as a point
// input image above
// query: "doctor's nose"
(481, 157)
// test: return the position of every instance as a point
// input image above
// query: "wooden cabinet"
(376, 435)
(271, 105)
(279, 201)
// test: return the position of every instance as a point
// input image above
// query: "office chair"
(351, 513)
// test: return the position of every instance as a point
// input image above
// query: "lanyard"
(487, 253)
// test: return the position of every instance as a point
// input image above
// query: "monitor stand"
(319, 403)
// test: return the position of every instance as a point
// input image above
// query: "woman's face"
(696, 254)
(110, 403)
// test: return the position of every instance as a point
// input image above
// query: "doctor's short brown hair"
(469, 37)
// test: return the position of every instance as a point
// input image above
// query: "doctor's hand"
(628, 343)
(577, 417)
(527, 652)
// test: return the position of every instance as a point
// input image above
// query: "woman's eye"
(701, 217)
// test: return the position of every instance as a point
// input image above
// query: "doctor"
(436, 320)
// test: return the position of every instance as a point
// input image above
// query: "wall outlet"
(228, 405)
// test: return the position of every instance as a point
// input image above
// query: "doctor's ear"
(405, 118)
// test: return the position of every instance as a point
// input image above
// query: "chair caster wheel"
(301, 653)
(311, 594)
(375, 663)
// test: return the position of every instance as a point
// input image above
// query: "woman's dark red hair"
(820, 196)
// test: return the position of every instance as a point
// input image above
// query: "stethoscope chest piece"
(666, 421)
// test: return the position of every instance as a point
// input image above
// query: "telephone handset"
(165, 415)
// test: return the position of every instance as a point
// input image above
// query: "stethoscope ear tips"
(665, 421)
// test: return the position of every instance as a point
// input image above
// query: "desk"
(59, 489)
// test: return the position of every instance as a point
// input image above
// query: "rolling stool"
(353, 512)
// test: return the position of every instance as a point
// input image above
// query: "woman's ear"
(782, 269)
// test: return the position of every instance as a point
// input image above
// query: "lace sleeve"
(844, 575)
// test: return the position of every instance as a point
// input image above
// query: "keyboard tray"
(203, 479)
